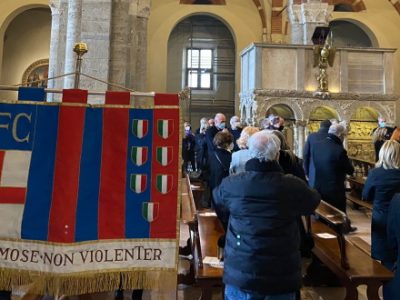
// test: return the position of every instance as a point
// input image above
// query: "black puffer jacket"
(262, 240)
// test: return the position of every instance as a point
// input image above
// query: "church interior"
(249, 58)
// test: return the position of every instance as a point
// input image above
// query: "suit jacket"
(308, 163)
(331, 166)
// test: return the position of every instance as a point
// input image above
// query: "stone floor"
(360, 219)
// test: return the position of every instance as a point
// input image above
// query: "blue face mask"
(382, 124)
(221, 125)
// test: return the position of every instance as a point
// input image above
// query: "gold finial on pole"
(80, 49)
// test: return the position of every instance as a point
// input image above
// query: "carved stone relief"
(345, 106)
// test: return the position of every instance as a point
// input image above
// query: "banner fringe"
(51, 284)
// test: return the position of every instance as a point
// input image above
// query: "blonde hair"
(389, 155)
(247, 132)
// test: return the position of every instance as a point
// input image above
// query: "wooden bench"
(204, 230)
(206, 276)
(351, 265)
(357, 202)
(354, 196)
(189, 218)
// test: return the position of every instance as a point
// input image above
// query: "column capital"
(310, 12)
(302, 123)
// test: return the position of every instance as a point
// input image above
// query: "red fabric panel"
(12, 195)
(75, 96)
(122, 98)
(66, 174)
(166, 99)
(164, 226)
(113, 173)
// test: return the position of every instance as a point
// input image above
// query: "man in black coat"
(259, 209)
(313, 138)
(331, 165)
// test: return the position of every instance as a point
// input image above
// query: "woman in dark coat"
(382, 183)
(392, 289)
(220, 159)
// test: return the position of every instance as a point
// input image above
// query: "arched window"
(349, 34)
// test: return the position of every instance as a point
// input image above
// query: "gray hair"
(203, 124)
(338, 129)
(264, 146)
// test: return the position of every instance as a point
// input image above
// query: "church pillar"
(54, 38)
(299, 137)
(73, 36)
(305, 17)
(128, 49)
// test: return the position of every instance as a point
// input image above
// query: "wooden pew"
(204, 229)
(351, 265)
(188, 217)
(354, 195)
(206, 276)
(357, 182)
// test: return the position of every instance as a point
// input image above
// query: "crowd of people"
(260, 189)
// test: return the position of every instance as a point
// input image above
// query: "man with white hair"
(235, 130)
(219, 125)
(260, 209)
(331, 165)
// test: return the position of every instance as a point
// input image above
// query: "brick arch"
(355, 4)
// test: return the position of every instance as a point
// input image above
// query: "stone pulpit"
(280, 79)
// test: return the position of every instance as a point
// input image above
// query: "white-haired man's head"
(220, 121)
(264, 146)
(338, 129)
(235, 122)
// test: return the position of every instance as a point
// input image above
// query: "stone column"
(128, 49)
(299, 136)
(73, 36)
(305, 17)
(54, 38)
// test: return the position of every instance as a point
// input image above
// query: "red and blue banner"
(89, 189)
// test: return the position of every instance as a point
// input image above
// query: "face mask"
(187, 128)
(382, 124)
(221, 125)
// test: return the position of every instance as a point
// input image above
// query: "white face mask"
(187, 128)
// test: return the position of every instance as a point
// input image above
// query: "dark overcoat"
(379, 188)
(260, 208)
(331, 166)
(308, 163)
(392, 289)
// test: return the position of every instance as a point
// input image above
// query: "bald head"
(220, 121)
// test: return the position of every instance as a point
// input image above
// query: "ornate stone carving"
(302, 103)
